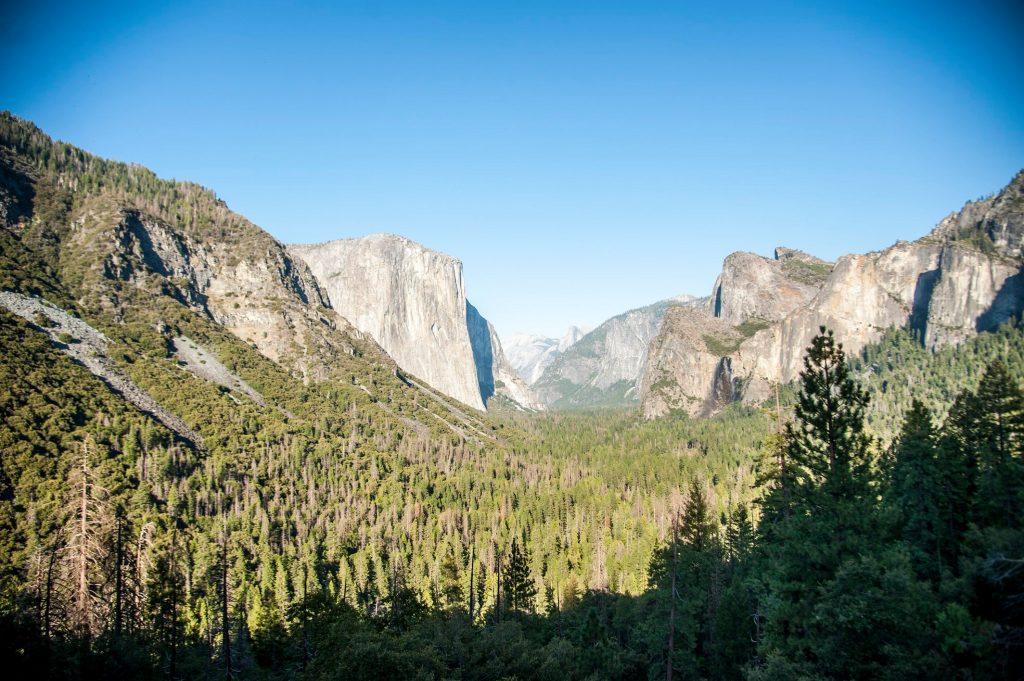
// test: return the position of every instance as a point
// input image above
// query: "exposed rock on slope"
(124, 244)
(248, 284)
(412, 301)
(530, 355)
(204, 364)
(88, 347)
(962, 278)
(605, 366)
(157, 265)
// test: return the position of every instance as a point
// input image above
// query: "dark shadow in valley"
(483, 355)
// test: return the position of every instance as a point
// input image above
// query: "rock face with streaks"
(686, 352)
(963, 277)
(604, 367)
(412, 301)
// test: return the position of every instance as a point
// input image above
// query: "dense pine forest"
(336, 520)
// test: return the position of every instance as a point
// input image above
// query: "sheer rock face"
(530, 355)
(496, 374)
(972, 292)
(412, 301)
(604, 368)
(680, 362)
(962, 278)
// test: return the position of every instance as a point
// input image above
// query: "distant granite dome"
(530, 355)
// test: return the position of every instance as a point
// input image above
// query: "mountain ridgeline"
(697, 356)
(962, 278)
(227, 458)
(603, 368)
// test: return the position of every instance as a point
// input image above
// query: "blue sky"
(581, 158)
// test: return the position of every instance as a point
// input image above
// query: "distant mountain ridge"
(605, 366)
(111, 241)
(532, 354)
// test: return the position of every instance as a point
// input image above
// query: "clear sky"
(581, 158)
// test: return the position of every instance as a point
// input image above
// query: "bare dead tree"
(86, 530)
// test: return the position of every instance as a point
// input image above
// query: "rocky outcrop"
(249, 284)
(530, 355)
(962, 278)
(992, 225)
(688, 350)
(412, 301)
(753, 287)
(88, 346)
(604, 368)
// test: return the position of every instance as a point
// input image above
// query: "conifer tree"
(997, 434)
(830, 515)
(739, 535)
(826, 439)
(518, 589)
(922, 489)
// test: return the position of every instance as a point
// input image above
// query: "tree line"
(854, 563)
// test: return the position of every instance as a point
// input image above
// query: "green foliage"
(517, 585)
(826, 441)
(898, 370)
(339, 531)
(811, 272)
(719, 346)
(751, 326)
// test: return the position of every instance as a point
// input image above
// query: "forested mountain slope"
(344, 475)
(321, 513)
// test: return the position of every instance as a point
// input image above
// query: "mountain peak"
(993, 224)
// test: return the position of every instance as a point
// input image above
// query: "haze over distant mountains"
(532, 354)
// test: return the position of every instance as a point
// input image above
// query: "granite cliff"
(962, 278)
(412, 301)
(179, 306)
(605, 366)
